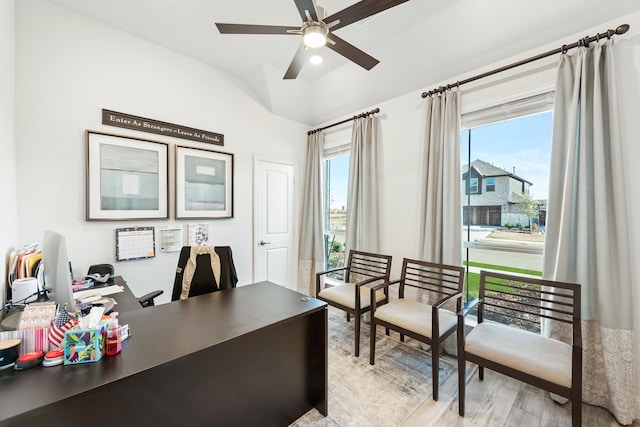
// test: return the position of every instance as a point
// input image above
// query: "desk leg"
(318, 361)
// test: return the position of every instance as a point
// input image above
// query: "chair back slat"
(438, 280)
(523, 301)
(532, 303)
(368, 265)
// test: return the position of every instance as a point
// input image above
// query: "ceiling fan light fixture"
(316, 59)
(314, 34)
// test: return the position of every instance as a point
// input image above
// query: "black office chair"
(101, 269)
(195, 263)
(147, 300)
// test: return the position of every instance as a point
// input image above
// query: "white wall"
(8, 224)
(68, 69)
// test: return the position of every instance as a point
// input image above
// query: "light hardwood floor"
(501, 401)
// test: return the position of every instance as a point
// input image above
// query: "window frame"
(490, 181)
(518, 107)
(336, 144)
(472, 185)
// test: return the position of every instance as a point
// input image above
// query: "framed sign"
(127, 178)
(204, 183)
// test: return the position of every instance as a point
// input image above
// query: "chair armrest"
(445, 300)
(466, 310)
(383, 285)
(369, 280)
(147, 299)
(333, 270)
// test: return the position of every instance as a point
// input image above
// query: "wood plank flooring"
(501, 401)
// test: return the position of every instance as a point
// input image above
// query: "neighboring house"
(493, 195)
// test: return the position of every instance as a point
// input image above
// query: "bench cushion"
(522, 350)
(415, 316)
(345, 294)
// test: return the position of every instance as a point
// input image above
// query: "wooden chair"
(507, 338)
(429, 323)
(362, 270)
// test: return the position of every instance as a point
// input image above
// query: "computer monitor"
(57, 270)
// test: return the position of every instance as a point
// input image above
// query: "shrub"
(509, 225)
(520, 225)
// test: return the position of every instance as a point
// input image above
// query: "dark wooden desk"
(126, 301)
(251, 356)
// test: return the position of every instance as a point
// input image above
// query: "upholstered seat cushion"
(525, 351)
(415, 316)
(345, 294)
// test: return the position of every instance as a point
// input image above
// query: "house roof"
(515, 198)
(487, 170)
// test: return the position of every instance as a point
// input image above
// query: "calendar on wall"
(135, 243)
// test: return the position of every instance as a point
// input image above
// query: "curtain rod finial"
(622, 29)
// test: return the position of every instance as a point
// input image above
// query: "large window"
(336, 178)
(509, 155)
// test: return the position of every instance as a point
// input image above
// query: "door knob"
(262, 243)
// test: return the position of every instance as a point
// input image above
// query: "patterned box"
(85, 345)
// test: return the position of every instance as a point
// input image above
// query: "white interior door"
(275, 223)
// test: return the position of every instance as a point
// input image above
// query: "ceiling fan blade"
(359, 11)
(304, 5)
(351, 52)
(256, 29)
(296, 64)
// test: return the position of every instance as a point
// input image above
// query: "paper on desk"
(109, 290)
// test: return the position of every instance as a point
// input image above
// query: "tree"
(528, 207)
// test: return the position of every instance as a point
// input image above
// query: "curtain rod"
(582, 42)
(359, 116)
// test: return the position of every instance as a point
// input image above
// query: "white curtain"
(311, 246)
(363, 227)
(441, 208)
(587, 225)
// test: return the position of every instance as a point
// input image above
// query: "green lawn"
(473, 279)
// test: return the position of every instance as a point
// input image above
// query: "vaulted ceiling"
(419, 43)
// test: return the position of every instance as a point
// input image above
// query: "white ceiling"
(419, 43)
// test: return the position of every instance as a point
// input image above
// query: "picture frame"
(127, 178)
(204, 183)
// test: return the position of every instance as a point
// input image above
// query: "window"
(336, 177)
(473, 185)
(503, 226)
(491, 184)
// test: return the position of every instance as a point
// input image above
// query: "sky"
(523, 143)
(338, 183)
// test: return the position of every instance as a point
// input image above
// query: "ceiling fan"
(317, 31)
